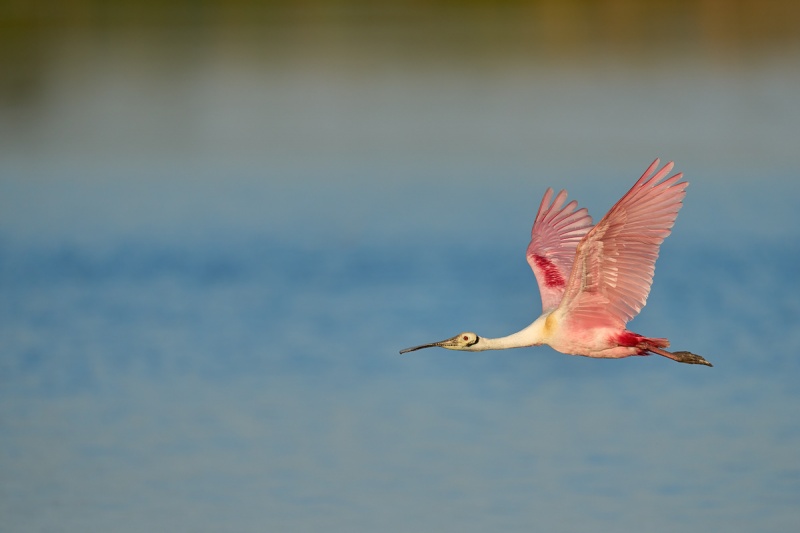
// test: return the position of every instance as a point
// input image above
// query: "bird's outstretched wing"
(555, 235)
(615, 262)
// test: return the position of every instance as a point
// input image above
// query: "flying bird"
(594, 279)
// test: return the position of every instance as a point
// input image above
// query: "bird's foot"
(682, 357)
(689, 358)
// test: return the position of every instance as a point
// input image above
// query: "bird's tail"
(647, 345)
(643, 344)
(654, 343)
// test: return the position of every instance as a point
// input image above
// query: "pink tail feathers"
(644, 344)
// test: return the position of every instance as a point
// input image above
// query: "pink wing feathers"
(615, 262)
(555, 235)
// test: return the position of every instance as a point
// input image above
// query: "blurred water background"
(220, 221)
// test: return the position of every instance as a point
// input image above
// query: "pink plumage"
(593, 280)
(555, 235)
(615, 261)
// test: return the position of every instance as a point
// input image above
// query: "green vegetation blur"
(363, 34)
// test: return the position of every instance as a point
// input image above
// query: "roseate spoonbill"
(593, 280)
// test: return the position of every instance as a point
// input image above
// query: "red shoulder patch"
(552, 277)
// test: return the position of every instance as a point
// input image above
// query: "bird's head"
(463, 341)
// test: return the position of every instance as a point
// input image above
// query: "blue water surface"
(232, 385)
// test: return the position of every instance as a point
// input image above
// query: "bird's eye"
(466, 338)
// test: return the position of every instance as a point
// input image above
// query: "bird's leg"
(681, 357)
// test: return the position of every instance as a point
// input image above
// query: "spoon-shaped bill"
(421, 346)
(453, 343)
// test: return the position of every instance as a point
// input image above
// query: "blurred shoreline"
(720, 21)
(421, 30)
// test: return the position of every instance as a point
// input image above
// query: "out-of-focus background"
(220, 221)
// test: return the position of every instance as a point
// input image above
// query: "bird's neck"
(532, 335)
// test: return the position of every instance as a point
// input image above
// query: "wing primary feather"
(615, 261)
(555, 235)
